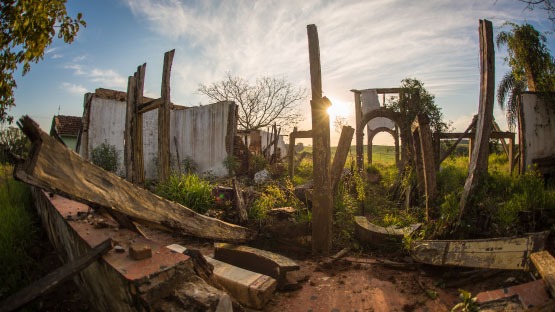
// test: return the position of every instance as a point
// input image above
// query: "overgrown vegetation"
(106, 157)
(276, 195)
(189, 190)
(17, 233)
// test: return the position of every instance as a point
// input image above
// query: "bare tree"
(268, 101)
(547, 5)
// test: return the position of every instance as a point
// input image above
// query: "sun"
(338, 109)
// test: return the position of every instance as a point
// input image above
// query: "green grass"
(189, 190)
(17, 233)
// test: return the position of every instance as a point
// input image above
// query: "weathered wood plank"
(129, 130)
(510, 253)
(138, 165)
(478, 166)
(164, 120)
(343, 148)
(370, 233)
(359, 132)
(322, 200)
(545, 264)
(53, 279)
(428, 165)
(54, 168)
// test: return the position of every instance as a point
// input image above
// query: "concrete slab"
(256, 260)
(251, 289)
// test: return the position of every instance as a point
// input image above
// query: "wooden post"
(428, 164)
(322, 196)
(396, 139)
(164, 120)
(511, 154)
(417, 158)
(138, 162)
(341, 154)
(129, 132)
(479, 160)
(359, 131)
(291, 154)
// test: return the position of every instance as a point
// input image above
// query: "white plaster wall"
(200, 131)
(370, 102)
(264, 142)
(201, 134)
(539, 123)
(106, 125)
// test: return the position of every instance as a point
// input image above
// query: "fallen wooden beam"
(368, 232)
(545, 264)
(54, 279)
(54, 168)
(509, 253)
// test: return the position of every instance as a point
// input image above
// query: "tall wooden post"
(359, 131)
(164, 120)
(291, 154)
(130, 124)
(139, 167)
(322, 196)
(341, 154)
(478, 166)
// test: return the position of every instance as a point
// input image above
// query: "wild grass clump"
(17, 233)
(189, 190)
(303, 171)
(276, 195)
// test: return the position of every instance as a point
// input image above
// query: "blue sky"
(363, 44)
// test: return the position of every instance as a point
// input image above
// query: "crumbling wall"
(202, 133)
(537, 129)
(370, 102)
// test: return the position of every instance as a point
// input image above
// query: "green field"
(380, 153)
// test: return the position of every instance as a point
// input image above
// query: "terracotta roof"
(67, 125)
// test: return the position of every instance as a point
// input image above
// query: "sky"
(363, 44)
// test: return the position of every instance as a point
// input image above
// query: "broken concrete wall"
(202, 133)
(370, 102)
(537, 129)
(265, 140)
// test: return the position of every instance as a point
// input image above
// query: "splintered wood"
(54, 168)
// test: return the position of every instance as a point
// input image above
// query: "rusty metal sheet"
(510, 253)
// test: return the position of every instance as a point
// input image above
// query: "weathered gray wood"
(54, 279)
(510, 253)
(56, 169)
(239, 202)
(128, 158)
(343, 148)
(359, 131)
(251, 289)
(428, 164)
(545, 265)
(138, 164)
(478, 166)
(150, 105)
(322, 200)
(164, 120)
(368, 232)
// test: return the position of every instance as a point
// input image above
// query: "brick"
(140, 251)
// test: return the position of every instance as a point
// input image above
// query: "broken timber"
(545, 264)
(343, 148)
(509, 253)
(368, 232)
(54, 168)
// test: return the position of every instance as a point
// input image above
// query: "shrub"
(105, 156)
(17, 233)
(188, 190)
(12, 141)
(275, 196)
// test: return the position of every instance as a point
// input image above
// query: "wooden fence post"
(341, 154)
(164, 120)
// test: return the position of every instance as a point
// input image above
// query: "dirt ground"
(357, 282)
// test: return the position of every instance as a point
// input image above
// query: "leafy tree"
(12, 143)
(409, 107)
(27, 28)
(531, 64)
(268, 101)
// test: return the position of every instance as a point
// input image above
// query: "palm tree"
(531, 64)
(507, 91)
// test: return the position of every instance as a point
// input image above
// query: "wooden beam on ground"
(322, 200)
(164, 120)
(343, 148)
(545, 264)
(54, 279)
(478, 166)
(54, 168)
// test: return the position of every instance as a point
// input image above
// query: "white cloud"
(106, 78)
(74, 88)
(56, 56)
